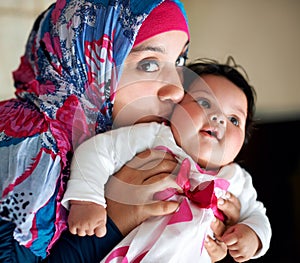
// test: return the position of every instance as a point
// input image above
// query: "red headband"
(165, 17)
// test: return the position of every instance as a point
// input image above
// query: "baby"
(207, 131)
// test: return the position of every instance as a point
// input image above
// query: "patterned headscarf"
(65, 88)
(166, 17)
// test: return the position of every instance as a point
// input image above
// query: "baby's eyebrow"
(197, 92)
(241, 111)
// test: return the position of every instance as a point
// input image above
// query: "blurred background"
(264, 37)
(16, 21)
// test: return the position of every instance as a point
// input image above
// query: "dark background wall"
(273, 159)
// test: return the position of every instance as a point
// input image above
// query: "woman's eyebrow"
(141, 48)
(185, 48)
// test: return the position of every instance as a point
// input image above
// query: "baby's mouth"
(215, 133)
(210, 133)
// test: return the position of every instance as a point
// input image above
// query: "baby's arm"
(87, 218)
(250, 238)
(84, 196)
(94, 161)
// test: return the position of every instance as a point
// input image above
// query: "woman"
(65, 87)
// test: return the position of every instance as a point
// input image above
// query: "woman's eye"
(180, 61)
(234, 121)
(148, 65)
(204, 103)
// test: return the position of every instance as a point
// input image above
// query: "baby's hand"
(87, 218)
(242, 242)
(217, 250)
(231, 207)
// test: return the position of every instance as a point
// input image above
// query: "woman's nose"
(171, 92)
(172, 88)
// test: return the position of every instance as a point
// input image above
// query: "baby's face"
(209, 123)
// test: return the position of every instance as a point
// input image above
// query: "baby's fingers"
(100, 231)
(73, 230)
(218, 228)
(230, 206)
(217, 250)
(78, 231)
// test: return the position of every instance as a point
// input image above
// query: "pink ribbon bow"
(203, 195)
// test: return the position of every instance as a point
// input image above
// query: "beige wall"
(262, 35)
(16, 20)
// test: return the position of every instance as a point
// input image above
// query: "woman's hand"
(145, 168)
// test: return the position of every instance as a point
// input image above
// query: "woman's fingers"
(148, 164)
(160, 208)
(130, 192)
(127, 217)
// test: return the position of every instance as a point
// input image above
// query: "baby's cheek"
(233, 147)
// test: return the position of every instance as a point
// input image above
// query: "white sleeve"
(253, 212)
(101, 156)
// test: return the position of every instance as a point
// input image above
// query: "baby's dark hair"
(229, 70)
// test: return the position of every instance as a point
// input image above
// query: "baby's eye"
(204, 103)
(234, 121)
(180, 61)
(148, 65)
